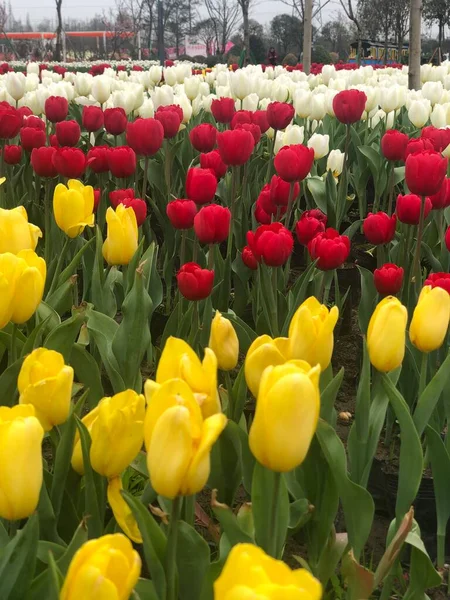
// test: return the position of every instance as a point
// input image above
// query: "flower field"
(182, 252)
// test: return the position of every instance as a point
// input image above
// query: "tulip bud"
(201, 185)
(330, 248)
(122, 161)
(349, 106)
(335, 162)
(386, 334)
(73, 207)
(16, 233)
(194, 282)
(320, 145)
(224, 342)
(122, 235)
(430, 319)
(273, 244)
(388, 279)
(122, 512)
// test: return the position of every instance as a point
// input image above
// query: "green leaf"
(328, 398)
(230, 524)
(8, 384)
(192, 558)
(47, 519)
(145, 590)
(87, 372)
(368, 299)
(63, 337)
(48, 314)
(34, 339)
(422, 574)
(357, 443)
(299, 293)
(430, 396)
(300, 512)
(226, 463)
(62, 298)
(44, 548)
(72, 266)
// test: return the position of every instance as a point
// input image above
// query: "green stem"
(59, 265)
(13, 353)
(2, 173)
(211, 257)
(229, 386)
(47, 220)
(188, 510)
(290, 203)
(234, 180)
(343, 185)
(271, 153)
(416, 263)
(168, 168)
(391, 190)
(171, 553)
(274, 303)
(423, 373)
(144, 184)
(182, 260)
(273, 523)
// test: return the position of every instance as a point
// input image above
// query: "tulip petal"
(122, 512)
(258, 360)
(28, 294)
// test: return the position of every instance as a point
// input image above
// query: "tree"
(352, 14)
(58, 30)
(245, 8)
(298, 7)
(206, 32)
(437, 11)
(224, 14)
(286, 31)
(415, 20)
(336, 36)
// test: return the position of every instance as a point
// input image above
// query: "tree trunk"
(307, 36)
(246, 28)
(58, 31)
(161, 50)
(440, 38)
(386, 44)
(359, 50)
(415, 20)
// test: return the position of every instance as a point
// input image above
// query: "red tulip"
(408, 208)
(223, 109)
(235, 146)
(97, 197)
(417, 145)
(145, 136)
(212, 160)
(262, 216)
(272, 244)
(69, 162)
(442, 198)
(379, 228)
(181, 213)
(441, 280)
(115, 120)
(293, 163)
(122, 161)
(10, 121)
(388, 279)
(349, 105)
(253, 129)
(203, 137)
(440, 138)
(56, 108)
(32, 138)
(259, 117)
(201, 185)
(212, 224)
(240, 117)
(248, 258)
(68, 133)
(54, 141)
(35, 122)
(393, 144)
(194, 282)
(97, 159)
(92, 118)
(170, 120)
(279, 191)
(24, 111)
(330, 248)
(42, 161)
(425, 172)
(116, 197)
(12, 155)
(139, 206)
(280, 114)
(309, 225)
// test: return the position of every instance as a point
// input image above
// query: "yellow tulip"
(286, 416)
(106, 568)
(21, 437)
(430, 320)
(46, 383)
(178, 439)
(16, 233)
(73, 207)
(250, 574)
(122, 238)
(311, 333)
(264, 352)
(224, 342)
(22, 280)
(386, 334)
(178, 360)
(122, 512)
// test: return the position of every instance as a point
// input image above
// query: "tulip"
(273, 244)
(311, 333)
(417, 145)
(293, 163)
(442, 198)
(320, 145)
(73, 207)
(97, 159)
(330, 248)
(212, 160)
(251, 128)
(379, 228)
(440, 138)
(92, 118)
(302, 103)
(264, 352)
(441, 280)
(386, 334)
(280, 114)
(42, 161)
(250, 102)
(259, 117)
(179, 361)
(12, 154)
(56, 108)
(16, 233)
(32, 138)
(68, 133)
(122, 161)
(310, 224)
(292, 135)
(224, 342)
(201, 185)
(170, 119)
(69, 162)
(279, 191)
(194, 282)
(408, 208)
(15, 85)
(223, 110)
(235, 147)
(178, 438)
(115, 120)
(106, 567)
(393, 145)
(203, 137)
(181, 213)
(10, 121)
(335, 162)
(122, 512)
(46, 382)
(349, 105)
(248, 258)
(145, 136)
(388, 279)
(101, 89)
(22, 279)
(419, 112)
(21, 437)
(286, 416)
(250, 573)
(139, 206)
(430, 319)
(424, 173)
(212, 224)
(117, 196)
(122, 235)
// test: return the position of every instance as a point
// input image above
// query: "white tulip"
(293, 134)
(223, 91)
(146, 110)
(162, 96)
(278, 142)
(280, 93)
(250, 102)
(240, 84)
(222, 79)
(86, 101)
(101, 88)
(191, 87)
(197, 105)
(389, 98)
(123, 100)
(170, 76)
(204, 89)
(318, 110)
(15, 85)
(206, 102)
(32, 101)
(155, 73)
(32, 82)
(33, 67)
(183, 101)
(302, 103)
(264, 103)
(328, 72)
(320, 144)
(335, 162)
(419, 112)
(432, 91)
(210, 78)
(438, 116)
(83, 84)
